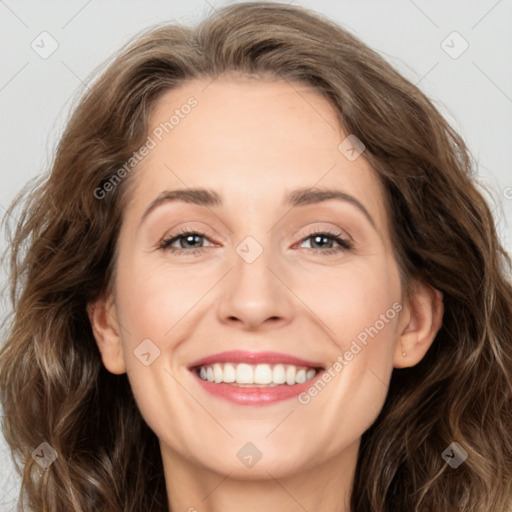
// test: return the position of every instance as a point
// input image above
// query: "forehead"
(251, 140)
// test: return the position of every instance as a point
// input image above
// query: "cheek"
(152, 300)
(356, 299)
(149, 305)
(359, 313)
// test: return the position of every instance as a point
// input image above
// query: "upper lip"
(241, 356)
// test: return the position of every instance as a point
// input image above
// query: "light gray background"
(473, 91)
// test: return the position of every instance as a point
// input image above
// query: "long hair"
(62, 253)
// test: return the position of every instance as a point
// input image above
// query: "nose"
(255, 295)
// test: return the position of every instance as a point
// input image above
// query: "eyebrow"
(294, 198)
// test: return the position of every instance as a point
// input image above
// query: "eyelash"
(345, 245)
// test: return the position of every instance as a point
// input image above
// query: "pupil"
(319, 237)
(190, 238)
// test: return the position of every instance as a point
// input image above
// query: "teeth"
(217, 373)
(229, 374)
(244, 374)
(300, 376)
(257, 375)
(290, 375)
(278, 375)
(262, 374)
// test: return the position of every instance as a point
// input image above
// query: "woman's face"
(276, 284)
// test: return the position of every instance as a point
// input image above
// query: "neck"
(322, 487)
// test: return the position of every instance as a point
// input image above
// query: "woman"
(259, 367)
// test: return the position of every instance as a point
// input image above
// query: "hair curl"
(62, 255)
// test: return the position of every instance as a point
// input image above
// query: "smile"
(267, 375)
(254, 378)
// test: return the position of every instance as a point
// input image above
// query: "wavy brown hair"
(62, 254)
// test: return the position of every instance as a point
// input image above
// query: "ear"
(103, 319)
(420, 321)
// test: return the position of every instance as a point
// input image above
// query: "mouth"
(262, 375)
(250, 378)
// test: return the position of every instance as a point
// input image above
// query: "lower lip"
(257, 395)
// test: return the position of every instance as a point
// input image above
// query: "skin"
(252, 141)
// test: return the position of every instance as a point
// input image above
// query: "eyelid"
(331, 227)
(343, 239)
(302, 232)
(182, 232)
(340, 236)
(189, 226)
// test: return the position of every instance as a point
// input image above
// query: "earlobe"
(422, 318)
(102, 317)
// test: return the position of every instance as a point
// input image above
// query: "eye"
(322, 238)
(185, 236)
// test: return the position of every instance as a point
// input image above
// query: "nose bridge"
(252, 278)
(254, 293)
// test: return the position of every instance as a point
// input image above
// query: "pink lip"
(242, 356)
(253, 395)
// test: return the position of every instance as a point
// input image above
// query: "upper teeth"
(243, 373)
